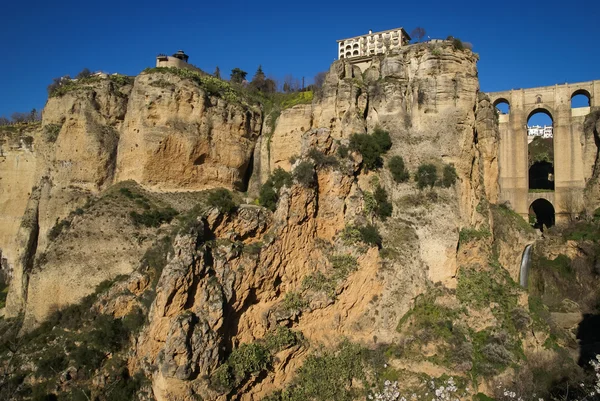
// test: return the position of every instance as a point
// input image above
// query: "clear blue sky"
(520, 44)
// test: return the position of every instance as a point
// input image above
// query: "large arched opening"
(502, 106)
(541, 214)
(580, 98)
(540, 150)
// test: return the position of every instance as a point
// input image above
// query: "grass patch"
(467, 235)
(328, 375)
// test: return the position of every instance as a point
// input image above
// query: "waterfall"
(525, 266)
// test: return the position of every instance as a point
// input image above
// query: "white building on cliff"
(372, 43)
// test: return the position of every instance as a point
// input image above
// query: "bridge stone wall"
(570, 173)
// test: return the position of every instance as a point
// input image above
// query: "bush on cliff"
(371, 147)
(448, 176)
(398, 169)
(269, 192)
(426, 176)
(222, 200)
(304, 173)
(383, 208)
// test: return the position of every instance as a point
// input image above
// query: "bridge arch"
(540, 150)
(540, 109)
(581, 98)
(502, 105)
(542, 214)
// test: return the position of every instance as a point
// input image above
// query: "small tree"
(426, 176)
(384, 208)
(304, 173)
(258, 81)
(398, 169)
(448, 176)
(269, 192)
(85, 73)
(418, 33)
(238, 76)
(319, 79)
(217, 73)
(383, 139)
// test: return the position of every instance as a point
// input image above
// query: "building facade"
(538, 130)
(372, 43)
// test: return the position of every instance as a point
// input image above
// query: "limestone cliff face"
(167, 137)
(233, 278)
(426, 96)
(177, 137)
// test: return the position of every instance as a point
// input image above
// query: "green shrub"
(51, 132)
(153, 218)
(457, 44)
(448, 176)
(319, 282)
(351, 235)
(426, 176)
(3, 293)
(304, 173)
(269, 192)
(398, 170)
(384, 208)
(281, 338)
(281, 178)
(268, 197)
(321, 160)
(383, 139)
(329, 376)
(370, 234)
(222, 199)
(58, 228)
(248, 359)
(293, 302)
(52, 362)
(343, 265)
(371, 147)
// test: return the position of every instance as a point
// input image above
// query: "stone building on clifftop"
(361, 49)
(177, 60)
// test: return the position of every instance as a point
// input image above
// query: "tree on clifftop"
(418, 33)
(217, 73)
(238, 76)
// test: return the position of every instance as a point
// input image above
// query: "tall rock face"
(178, 137)
(426, 96)
(161, 130)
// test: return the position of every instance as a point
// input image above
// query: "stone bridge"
(570, 172)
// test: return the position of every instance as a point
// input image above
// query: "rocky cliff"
(113, 231)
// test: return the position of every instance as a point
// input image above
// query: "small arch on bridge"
(541, 214)
(502, 105)
(581, 98)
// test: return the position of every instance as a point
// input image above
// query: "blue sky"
(519, 43)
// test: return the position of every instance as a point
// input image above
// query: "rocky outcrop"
(177, 137)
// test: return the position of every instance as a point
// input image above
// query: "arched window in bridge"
(541, 214)
(580, 98)
(540, 151)
(502, 106)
